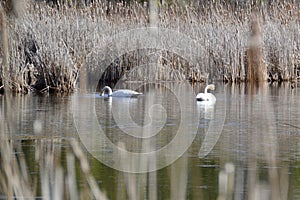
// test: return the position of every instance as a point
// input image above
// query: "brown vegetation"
(256, 68)
(47, 46)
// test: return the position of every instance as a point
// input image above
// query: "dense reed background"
(48, 45)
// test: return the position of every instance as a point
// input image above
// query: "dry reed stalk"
(55, 182)
(97, 193)
(13, 172)
(257, 71)
(5, 74)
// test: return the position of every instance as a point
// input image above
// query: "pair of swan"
(205, 97)
(107, 92)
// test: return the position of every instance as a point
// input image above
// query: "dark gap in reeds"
(48, 46)
(150, 65)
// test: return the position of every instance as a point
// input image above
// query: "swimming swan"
(118, 93)
(207, 97)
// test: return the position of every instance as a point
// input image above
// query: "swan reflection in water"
(107, 92)
(206, 111)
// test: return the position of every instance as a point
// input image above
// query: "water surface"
(255, 129)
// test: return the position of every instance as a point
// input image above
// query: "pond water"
(165, 145)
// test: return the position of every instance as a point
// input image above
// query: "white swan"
(107, 92)
(207, 97)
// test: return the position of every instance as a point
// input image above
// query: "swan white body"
(107, 92)
(206, 97)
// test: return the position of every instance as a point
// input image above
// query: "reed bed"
(48, 46)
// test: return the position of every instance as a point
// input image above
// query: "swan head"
(209, 87)
(106, 89)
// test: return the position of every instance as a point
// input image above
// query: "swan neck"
(209, 87)
(205, 90)
(108, 89)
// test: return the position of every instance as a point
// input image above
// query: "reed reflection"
(260, 137)
(254, 122)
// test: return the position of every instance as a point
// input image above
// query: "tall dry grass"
(47, 46)
(55, 180)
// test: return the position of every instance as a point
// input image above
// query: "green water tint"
(260, 137)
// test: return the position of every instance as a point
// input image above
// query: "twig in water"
(291, 125)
